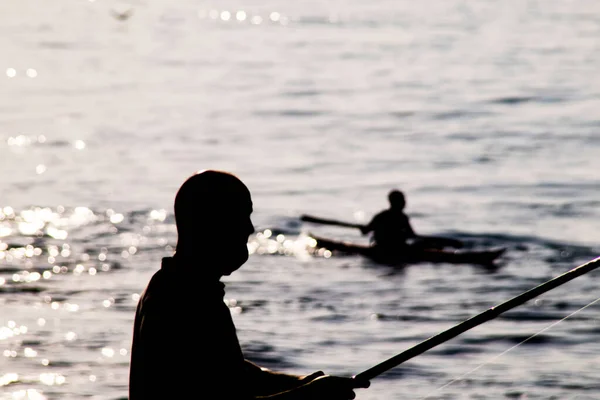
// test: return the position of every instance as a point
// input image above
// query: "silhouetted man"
(185, 344)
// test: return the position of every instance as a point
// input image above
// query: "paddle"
(420, 240)
(310, 218)
(476, 320)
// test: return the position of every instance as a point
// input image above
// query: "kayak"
(409, 255)
(429, 241)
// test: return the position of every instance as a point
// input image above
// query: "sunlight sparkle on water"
(264, 243)
(18, 141)
(23, 140)
(53, 251)
(5, 231)
(158, 215)
(5, 333)
(117, 218)
(34, 221)
(26, 276)
(9, 378)
(30, 228)
(57, 233)
(274, 17)
(29, 352)
(108, 352)
(52, 379)
(108, 302)
(230, 302)
(28, 394)
(78, 269)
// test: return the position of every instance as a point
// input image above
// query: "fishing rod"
(479, 319)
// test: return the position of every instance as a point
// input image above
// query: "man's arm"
(315, 386)
(266, 382)
(408, 228)
(326, 387)
(371, 225)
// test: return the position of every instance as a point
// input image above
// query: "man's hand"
(328, 387)
(311, 377)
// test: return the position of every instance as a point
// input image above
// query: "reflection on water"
(63, 293)
(485, 113)
(298, 245)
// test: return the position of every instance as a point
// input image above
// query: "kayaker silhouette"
(392, 229)
(184, 340)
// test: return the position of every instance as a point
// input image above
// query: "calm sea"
(486, 114)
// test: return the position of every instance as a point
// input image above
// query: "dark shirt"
(391, 229)
(184, 341)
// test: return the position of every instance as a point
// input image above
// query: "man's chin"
(229, 271)
(234, 266)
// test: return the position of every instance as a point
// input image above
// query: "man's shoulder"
(383, 213)
(182, 282)
(162, 281)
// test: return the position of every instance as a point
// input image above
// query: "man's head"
(212, 214)
(396, 199)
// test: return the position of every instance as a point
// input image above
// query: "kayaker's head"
(212, 214)
(397, 200)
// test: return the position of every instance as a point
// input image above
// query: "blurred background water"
(484, 113)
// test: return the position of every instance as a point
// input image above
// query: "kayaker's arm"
(410, 232)
(365, 229)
